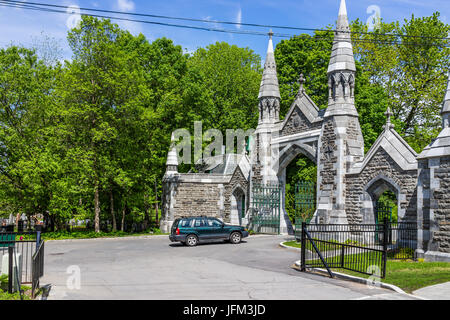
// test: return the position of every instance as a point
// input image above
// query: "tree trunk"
(17, 219)
(97, 207)
(156, 205)
(146, 216)
(122, 227)
(113, 215)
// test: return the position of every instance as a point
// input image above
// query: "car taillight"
(178, 231)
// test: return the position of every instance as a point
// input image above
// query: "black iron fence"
(21, 249)
(362, 248)
(37, 269)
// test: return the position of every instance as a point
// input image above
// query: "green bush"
(4, 282)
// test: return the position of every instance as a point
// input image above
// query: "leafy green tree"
(222, 87)
(412, 71)
(26, 106)
(99, 84)
(307, 55)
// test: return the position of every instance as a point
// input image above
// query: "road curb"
(344, 276)
(110, 239)
(288, 247)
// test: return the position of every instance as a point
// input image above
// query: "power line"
(33, 6)
(214, 21)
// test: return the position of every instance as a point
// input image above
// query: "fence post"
(10, 269)
(303, 252)
(385, 243)
(38, 236)
(342, 255)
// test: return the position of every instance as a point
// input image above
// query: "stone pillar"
(341, 143)
(433, 200)
(169, 187)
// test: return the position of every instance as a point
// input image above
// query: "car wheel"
(235, 237)
(191, 240)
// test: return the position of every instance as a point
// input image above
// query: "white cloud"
(125, 5)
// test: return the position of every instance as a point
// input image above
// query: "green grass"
(412, 275)
(4, 295)
(406, 274)
(88, 234)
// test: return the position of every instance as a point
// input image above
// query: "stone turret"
(341, 144)
(441, 146)
(342, 70)
(170, 184)
(269, 92)
(172, 161)
(433, 197)
(446, 106)
(266, 154)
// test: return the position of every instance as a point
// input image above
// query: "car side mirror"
(223, 225)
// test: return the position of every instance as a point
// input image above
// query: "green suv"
(190, 231)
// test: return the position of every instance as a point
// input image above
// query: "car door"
(218, 231)
(202, 228)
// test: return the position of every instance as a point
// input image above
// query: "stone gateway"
(349, 182)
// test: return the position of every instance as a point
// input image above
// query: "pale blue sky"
(21, 26)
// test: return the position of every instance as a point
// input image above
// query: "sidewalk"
(436, 292)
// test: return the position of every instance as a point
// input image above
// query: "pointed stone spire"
(342, 58)
(269, 84)
(446, 105)
(269, 91)
(342, 69)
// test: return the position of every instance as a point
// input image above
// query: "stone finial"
(302, 81)
(446, 105)
(389, 125)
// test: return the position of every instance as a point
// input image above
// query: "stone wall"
(326, 169)
(199, 195)
(381, 165)
(441, 197)
(197, 199)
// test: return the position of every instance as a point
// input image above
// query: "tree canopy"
(89, 137)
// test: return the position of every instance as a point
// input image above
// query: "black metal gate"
(362, 248)
(344, 246)
(265, 210)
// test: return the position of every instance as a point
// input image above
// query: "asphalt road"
(153, 268)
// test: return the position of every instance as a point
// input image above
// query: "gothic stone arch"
(372, 192)
(379, 174)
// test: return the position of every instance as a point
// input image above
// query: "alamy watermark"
(374, 281)
(374, 21)
(237, 141)
(74, 279)
(73, 21)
